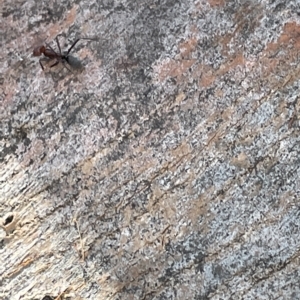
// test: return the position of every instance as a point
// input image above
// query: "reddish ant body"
(64, 58)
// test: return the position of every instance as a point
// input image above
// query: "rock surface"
(167, 168)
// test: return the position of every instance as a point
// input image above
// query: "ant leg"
(64, 64)
(55, 64)
(48, 45)
(57, 42)
(66, 67)
(69, 50)
(72, 46)
(40, 61)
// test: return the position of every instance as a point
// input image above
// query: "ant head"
(37, 51)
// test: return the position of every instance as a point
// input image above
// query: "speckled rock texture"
(167, 167)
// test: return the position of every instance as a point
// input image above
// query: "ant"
(64, 57)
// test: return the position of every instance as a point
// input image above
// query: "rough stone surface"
(167, 168)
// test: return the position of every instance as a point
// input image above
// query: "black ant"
(64, 57)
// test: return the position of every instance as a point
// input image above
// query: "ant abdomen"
(74, 62)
